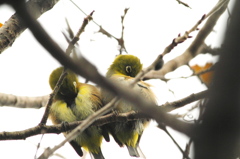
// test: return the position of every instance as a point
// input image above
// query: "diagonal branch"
(184, 101)
(92, 74)
(195, 47)
(64, 73)
(15, 26)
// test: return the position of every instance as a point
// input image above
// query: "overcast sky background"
(149, 27)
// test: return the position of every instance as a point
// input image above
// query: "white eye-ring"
(128, 69)
(75, 84)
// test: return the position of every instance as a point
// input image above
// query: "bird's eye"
(128, 69)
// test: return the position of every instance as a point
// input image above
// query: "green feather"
(75, 101)
(128, 65)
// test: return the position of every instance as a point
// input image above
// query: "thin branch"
(184, 101)
(102, 120)
(80, 31)
(104, 32)
(59, 128)
(183, 3)
(64, 73)
(79, 129)
(163, 127)
(93, 75)
(51, 98)
(121, 39)
(195, 47)
(101, 28)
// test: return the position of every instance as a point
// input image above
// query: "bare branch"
(15, 26)
(121, 39)
(102, 120)
(182, 102)
(92, 74)
(59, 128)
(22, 101)
(163, 127)
(52, 96)
(195, 47)
(64, 73)
(208, 49)
(104, 32)
(80, 31)
(183, 3)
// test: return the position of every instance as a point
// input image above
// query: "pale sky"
(149, 27)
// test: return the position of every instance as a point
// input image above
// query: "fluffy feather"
(122, 71)
(75, 101)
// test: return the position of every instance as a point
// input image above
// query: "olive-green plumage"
(127, 65)
(123, 70)
(75, 101)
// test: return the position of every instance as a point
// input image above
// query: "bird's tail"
(133, 151)
(98, 155)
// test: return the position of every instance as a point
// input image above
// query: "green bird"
(75, 101)
(123, 70)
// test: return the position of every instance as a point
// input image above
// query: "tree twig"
(163, 127)
(51, 98)
(195, 47)
(104, 32)
(102, 120)
(92, 74)
(183, 3)
(64, 73)
(181, 102)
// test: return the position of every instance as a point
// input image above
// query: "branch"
(104, 32)
(185, 4)
(113, 117)
(195, 47)
(45, 129)
(121, 39)
(22, 101)
(184, 101)
(15, 26)
(80, 31)
(52, 96)
(163, 127)
(208, 49)
(64, 73)
(93, 75)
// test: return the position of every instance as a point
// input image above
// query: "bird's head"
(69, 85)
(127, 65)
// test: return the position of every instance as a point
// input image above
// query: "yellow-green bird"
(123, 70)
(75, 101)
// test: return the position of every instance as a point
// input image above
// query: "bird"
(75, 101)
(123, 70)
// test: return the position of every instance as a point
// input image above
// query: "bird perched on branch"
(123, 70)
(75, 101)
